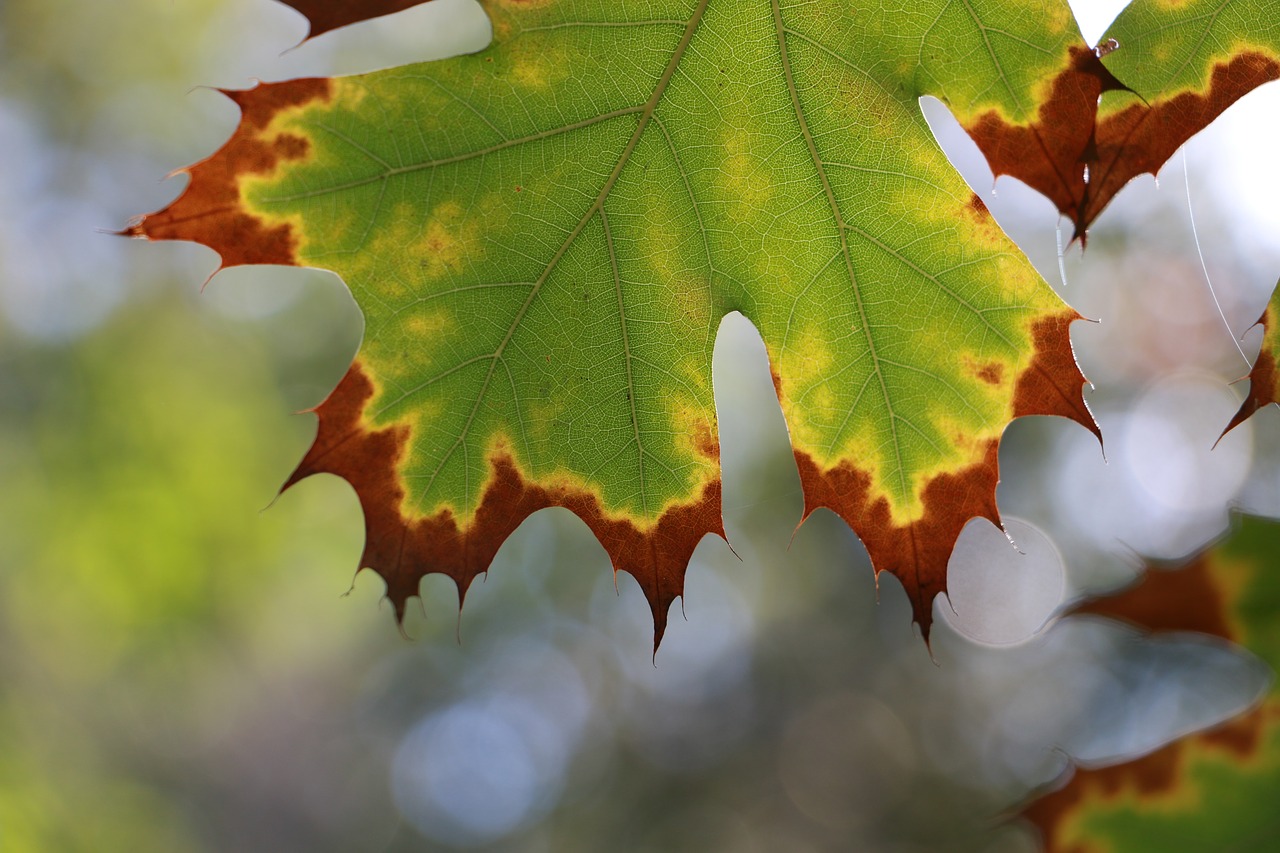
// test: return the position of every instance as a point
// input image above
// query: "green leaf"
(1214, 790)
(544, 237)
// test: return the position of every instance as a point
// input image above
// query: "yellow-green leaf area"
(544, 237)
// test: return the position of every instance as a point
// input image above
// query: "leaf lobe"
(403, 548)
(211, 209)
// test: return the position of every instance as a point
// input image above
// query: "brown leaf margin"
(400, 548)
(326, 15)
(1080, 164)
(1153, 774)
(917, 553)
(403, 549)
(211, 210)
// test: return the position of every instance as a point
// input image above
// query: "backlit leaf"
(544, 237)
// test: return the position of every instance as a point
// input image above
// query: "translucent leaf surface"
(545, 235)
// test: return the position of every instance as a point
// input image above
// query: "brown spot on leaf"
(291, 147)
(705, 440)
(991, 373)
(403, 549)
(326, 15)
(985, 230)
(1053, 153)
(978, 208)
(777, 383)
(1262, 382)
(209, 211)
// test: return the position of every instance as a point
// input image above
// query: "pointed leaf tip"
(1264, 383)
(916, 552)
(543, 249)
(326, 15)
(403, 546)
(1054, 384)
(212, 209)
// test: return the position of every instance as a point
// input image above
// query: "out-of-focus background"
(179, 667)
